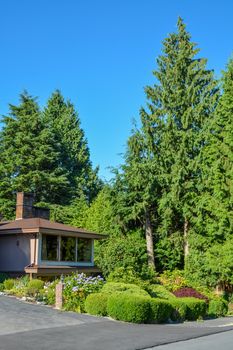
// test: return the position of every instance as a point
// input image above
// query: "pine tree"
(63, 121)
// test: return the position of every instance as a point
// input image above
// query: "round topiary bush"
(160, 310)
(217, 308)
(129, 307)
(96, 304)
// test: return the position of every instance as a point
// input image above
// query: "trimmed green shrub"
(160, 310)
(9, 284)
(112, 287)
(179, 309)
(129, 308)
(196, 308)
(1, 287)
(96, 304)
(159, 291)
(218, 307)
(34, 286)
(188, 309)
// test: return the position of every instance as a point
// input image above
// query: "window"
(67, 248)
(49, 247)
(84, 250)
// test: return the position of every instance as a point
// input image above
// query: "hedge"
(129, 307)
(160, 310)
(217, 307)
(196, 308)
(112, 287)
(96, 304)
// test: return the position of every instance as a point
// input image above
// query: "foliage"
(44, 152)
(159, 291)
(218, 307)
(189, 309)
(3, 277)
(129, 288)
(2, 287)
(173, 280)
(9, 284)
(160, 310)
(96, 304)
(189, 292)
(77, 287)
(179, 311)
(129, 308)
(122, 251)
(34, 287)
(129, 275)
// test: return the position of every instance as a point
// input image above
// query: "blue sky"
(100, 54)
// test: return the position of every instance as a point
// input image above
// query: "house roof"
(45, 226)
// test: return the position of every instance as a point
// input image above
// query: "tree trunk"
(186, 244)
(149, 243)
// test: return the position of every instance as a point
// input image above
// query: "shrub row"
(135, 308)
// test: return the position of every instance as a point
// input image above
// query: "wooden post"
(59, 296)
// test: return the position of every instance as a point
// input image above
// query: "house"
(35, 245)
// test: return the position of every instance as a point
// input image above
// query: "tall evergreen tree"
(28, 159)
(63, 121)
(180, 105)
(183, 101)
(216, 200)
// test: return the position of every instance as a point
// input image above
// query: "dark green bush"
(160, 310)
(9, 284)
(129, 308)
(196, 308)
(217, 307)
(1, 287)
(188, 309)
(96, 304)
(3, 277)
(34, 287)
(112, 287)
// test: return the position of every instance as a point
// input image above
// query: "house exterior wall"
(14, 253)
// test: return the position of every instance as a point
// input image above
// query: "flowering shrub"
(77, 287)
(189, 292)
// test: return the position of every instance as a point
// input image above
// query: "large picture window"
(84, 250)
(49, 248)
(66, 249)
(68, 246)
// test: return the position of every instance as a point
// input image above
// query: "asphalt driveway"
(26, 326)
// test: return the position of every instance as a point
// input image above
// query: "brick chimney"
(25, 208)
(24, 205)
